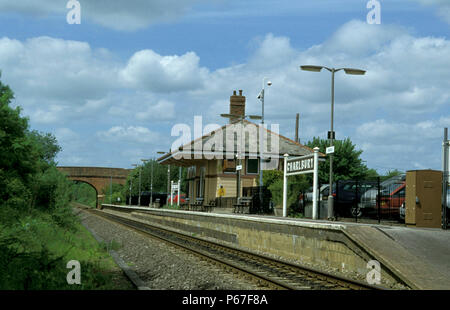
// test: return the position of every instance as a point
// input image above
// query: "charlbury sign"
(304, 164)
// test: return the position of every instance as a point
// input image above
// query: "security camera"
(269, 83)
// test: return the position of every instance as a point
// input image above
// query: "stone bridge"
(98, 177)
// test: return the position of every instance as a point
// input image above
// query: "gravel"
(161, 266)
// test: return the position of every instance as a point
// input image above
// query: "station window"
(252, 166)
(229, 165)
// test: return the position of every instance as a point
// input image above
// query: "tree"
(17, 153)
(347, 163)
(25, 161)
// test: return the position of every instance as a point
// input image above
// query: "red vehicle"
(175, 198)
(391, 200)
(392, 195)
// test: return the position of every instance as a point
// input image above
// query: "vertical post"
(131, 186)
(151, 186)
(330, 197)
(285, 186)
(296, 127)
(238, 181)
(261, 140)
(445, 174)
(168, 178)
(315, 182)
(179, 185)
(139, 198)
(261, 158)
(110, 190)
(378, 199)
(171, 193)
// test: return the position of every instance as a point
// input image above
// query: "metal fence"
(362, 200)
(371, 199)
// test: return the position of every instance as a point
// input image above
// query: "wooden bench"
(243, 203)
(196, 205)
(208, 207)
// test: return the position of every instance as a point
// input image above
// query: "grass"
(34, 253)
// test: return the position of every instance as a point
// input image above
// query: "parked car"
(347, 194)
(322, 196)
(392, 195)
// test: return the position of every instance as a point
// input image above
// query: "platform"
(418, 257)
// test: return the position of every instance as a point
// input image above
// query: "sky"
(112, 87)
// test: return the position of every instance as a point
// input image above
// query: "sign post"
(285, 186)
(301, 165)
(171, 193)
(179, 187)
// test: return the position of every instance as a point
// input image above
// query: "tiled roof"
(223, 143)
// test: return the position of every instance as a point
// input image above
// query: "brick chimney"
(237, 105)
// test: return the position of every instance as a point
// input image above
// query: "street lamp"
(261, 140)
(239, 154)
(331, 135)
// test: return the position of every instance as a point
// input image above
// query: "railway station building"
(227, 160)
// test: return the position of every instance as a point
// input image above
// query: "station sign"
(299, 165)
(239, 167)
(330, 150)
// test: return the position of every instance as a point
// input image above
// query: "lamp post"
(331, 135)
(261, 140)
(239, 118)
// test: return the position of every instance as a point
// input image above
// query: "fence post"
(378, 199)
(445, 176)
(315, 181)
(285, 186)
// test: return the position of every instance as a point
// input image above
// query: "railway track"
(266, 271)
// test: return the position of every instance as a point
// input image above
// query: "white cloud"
(162, 110)
(151, 71)
(130, 134)
(57, 69)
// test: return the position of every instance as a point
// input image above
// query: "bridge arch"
(98, 177)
